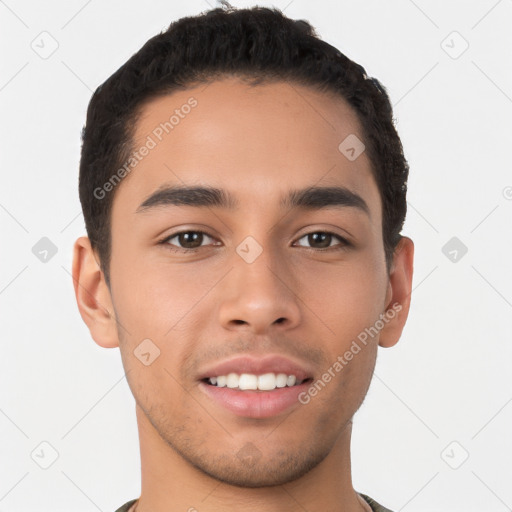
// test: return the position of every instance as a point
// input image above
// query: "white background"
(449, 377)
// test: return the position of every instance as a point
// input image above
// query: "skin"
(204, 306)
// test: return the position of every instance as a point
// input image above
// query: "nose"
(260, 296)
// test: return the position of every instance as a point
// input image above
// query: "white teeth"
(248, 381)
(265, 382)
(281, 380)
(232, 381)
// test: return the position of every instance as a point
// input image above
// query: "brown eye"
(190, 239)
(322, 240)
(187, 240)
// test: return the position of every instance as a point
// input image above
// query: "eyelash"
(343, 245)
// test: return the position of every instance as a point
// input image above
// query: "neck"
(171, 484)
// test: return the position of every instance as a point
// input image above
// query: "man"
(243, 188)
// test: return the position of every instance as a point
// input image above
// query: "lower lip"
(255, 404)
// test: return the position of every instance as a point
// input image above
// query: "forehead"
(255, 141)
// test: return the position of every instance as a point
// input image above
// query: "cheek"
(346, 298)
(153, 295)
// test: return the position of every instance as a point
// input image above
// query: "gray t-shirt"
(375, 506)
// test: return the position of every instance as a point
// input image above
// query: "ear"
(398, 295)
(93, 295)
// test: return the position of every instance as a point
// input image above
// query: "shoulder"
(376, 507)
(127, 506)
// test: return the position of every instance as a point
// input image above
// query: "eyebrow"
(310, 198)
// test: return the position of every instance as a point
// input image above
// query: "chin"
(251, 471)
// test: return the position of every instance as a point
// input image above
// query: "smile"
(250, 381)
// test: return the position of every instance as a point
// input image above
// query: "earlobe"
(398, 297)
(93, 295)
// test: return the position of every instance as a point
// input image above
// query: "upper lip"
(257, 365)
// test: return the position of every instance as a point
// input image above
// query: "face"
(256, 278)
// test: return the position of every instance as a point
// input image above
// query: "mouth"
(253, 382)
(255, 387)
